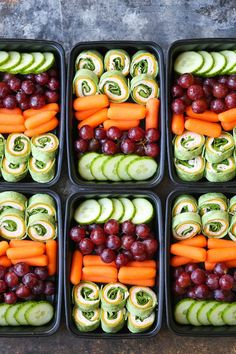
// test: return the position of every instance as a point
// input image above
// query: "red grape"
(98, 249)
(220, 90)
(41, 272)
(186, 100)
(42, 78)
(4, 90)
(230, 100)
(24, 105)
(10, 298)
(37, 101)
(195, 92)
(28, 87)
(86, 246)
(223, 79)
(191, 293)
(138, 248)
(198, 81)
(93, 227)
(3, 286)
(220, 295)
(121, 260)
(190, 267)
(51, 96)
(178, 290)
(98, 237)
(177, 91)
(198, 276)
(212, 281)
(109, 147)
(127, 241)
(142, 231)
(81, 145)
(218, 105)
(128, 254)
(136, 134)
(186, 80)
(30, 280)
(152, 150)
(140, 257)
(30, 77)
(2, 271)
(53, 84)
(10, 102)
(93, 145)
(207, 90)
(40, 90)
(21, 268)
(201, 291)
(184, 280)
(140, 150)
(234, 275)
(177, 271)
(127, 146)
(77, 233)
(52, 72)
(199, 106)
(220, 269)
(112, 227)
(86, 132)
(100, 133)
(23, 291)
(152, 135)
(113, 242)
(39, 288)
(49, 288)
(7, 77)
(11, 279)
(14, 84)
(178, 106)
(151, 246)
(114, 133)
(226, 282)
(21, 97)
(128, 228)
(210, 81)
(108, 255)
(232, 82)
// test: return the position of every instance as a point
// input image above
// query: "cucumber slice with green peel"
(21, 311)
(109, 168)
(229, 315)
(84, 165)
(208, 62)
(10, 315)
(13, 60)
(181, 311)
(87, 212)
(3, 57)
(142, 168)
(188, 62)
(3, 310)
(202, 315)
(106, 210)
(143, 211)
(129, 209)
(118, 211)
(219, 64)
(230, 56)
(96, 167)
(215, 314)
(123, 167)
(47, 64)
(39, 59)
(192, 315)
(233, 70)
(26, 60)
(39, 314)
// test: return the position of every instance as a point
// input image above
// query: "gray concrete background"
(71, 21)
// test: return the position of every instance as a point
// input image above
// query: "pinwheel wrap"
(184, 203)
(138, 324)
(117, 59)
(112, 322)
(86, 321)
(188, 145)
(40, 171)
(85, 83)
(142, 301)
(221, 172)
(215, 224)
(90, 60)
(186, 225)
(2, 145)
(41, 227)
(44, 147)
(12, 224)
(11, 199)
(232, 228)
(232, 205)
(191, 170)
(114, 296)
(13, 172)
(144, 63)
(143, 87)
(115, 86)
(86, 296)
(219, 149)
(212, 201)
(41, 203)
(17, 150)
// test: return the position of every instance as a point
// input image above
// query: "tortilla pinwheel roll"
(11, 199)
(212, 201)
(112, 322)
(41, 203)
(142, 301)
(143, 87)
(221, 172)
(232, 205)
(144, 63)
(219, 149)
(12, 224)
(137, 324)
(86, 296)
(115, 86)
(188, 145)
(186, 225)
(44, 147)
(17, 150)
(12, 172)
(85, 83)
(86, 321)
(191, 170)
(117, 59)
(215, 224)
(90, 60)
(41, 227)
(232, 228)
(184, 203)
(2, 145)
(40, 171)
(114, 296)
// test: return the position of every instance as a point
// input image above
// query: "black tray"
(212, 44)
(102, 46)
(29, 45)
(187, 330)
(52, 327)
(69, 246)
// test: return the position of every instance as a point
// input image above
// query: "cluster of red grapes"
(217, 94)
(24, 282)
(29, 91)
(121, 243)
(196, 283)
(112, 141)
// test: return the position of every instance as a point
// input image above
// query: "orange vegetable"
(26, 243)
(5, 261)
(44, 128)
(228, 116)
(144, 264)
(11, 111)
(177, 124)
(131, 273)
(216, 255)
(93, 260)
(209, 265)
(39, 261)
(202, 127)
(197, 253)
(81, 115)
(13, 119)
(207, 115)
(152, 107)
(5, 129)
(76, 267)
(98, 278)
(101, 271)
(39, 119)
(196, 241)
(94, 120)
(90, 102)
(23, 252)
(228, 126)
(177, 261)
(48, 107)
(231, 264)
(51, 252)
(3, 247)
(121, 124)
(220, 243)
(126, 111)
(139, 282)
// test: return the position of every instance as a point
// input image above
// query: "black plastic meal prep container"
(69, 247)
(187, 330)
(33, 45)
(71, 127)
(53, 325)
(208, 44)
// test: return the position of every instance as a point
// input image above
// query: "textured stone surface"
(82, 20)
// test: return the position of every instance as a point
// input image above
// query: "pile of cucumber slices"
(206, 64)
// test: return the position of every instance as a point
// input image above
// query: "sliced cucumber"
(26, 60)
(39, 59)
(10, 315)
(118, 211)
(21, 311)
(229, 315)
(106, 210)
(13, 60)
(3, 310)
(96, 167)
(129, 209)
(181, 311)
(143, 211)
(233, 70)
(202, 315)
(87, 212)
(110, 168)
(84, 165)
(3, 57)
(192, 314)
(230, 56)
(208, 62)
(188, 62)
(47, 64)
(39, 314)
(215, 314)
(123, 167)
(142, 168)
(219, 64)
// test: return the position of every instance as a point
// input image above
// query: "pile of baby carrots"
(207, 123)
(92, 268)
(34, 253)
(31, 121)
(193, 251)
(96, 110)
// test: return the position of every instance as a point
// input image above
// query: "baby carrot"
(11, 111)
(231, 264)
(76, 267)
(39, 261)
(3, 247)
(26, 243)
(228, 116)
(177, 124)
(152, 107)
(13, 119)
(202, 127)
(5, 261)
(138, 282)
(98, 278)
(121, 124)
(177, 261)
(5, 129)
(44, 128)
(126, 111)
(197, 253)
(228, 125)
(48, 107)
(90, 102)
(209, 265)
(220, 243)
(81, 115)
(207, 115)
(216, 255)
(197, 241)
(101, 271)
(51, 252)
(127, 273)
(23, 252)
(93, 260)
(39, 119)
(144, 264)
(94, 120)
